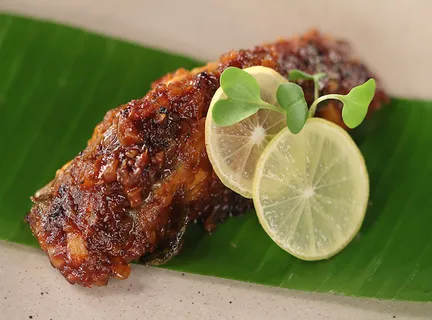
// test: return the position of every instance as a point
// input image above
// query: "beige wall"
(393, 36)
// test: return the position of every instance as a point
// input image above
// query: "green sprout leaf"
(227, 112)
(356, 103)
(240, 85)
(295, 75)
(291, 98)
(244, 98)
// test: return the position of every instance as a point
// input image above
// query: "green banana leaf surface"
(56, 83)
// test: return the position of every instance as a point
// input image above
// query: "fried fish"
(145, 175)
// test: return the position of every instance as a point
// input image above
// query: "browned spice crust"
(145, 173)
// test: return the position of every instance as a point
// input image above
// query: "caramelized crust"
(145, 175)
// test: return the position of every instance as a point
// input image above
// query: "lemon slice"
(311, 190)
(234, 150)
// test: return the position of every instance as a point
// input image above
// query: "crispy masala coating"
(145, 175)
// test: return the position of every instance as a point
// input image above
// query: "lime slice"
(234, 150)
(311, 190)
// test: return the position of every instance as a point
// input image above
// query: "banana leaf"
(57, 82)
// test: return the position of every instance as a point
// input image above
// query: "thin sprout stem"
(316, 89)
(314, 105)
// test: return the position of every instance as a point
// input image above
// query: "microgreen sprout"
(355, 103)
(244, 99)
(295, 75)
